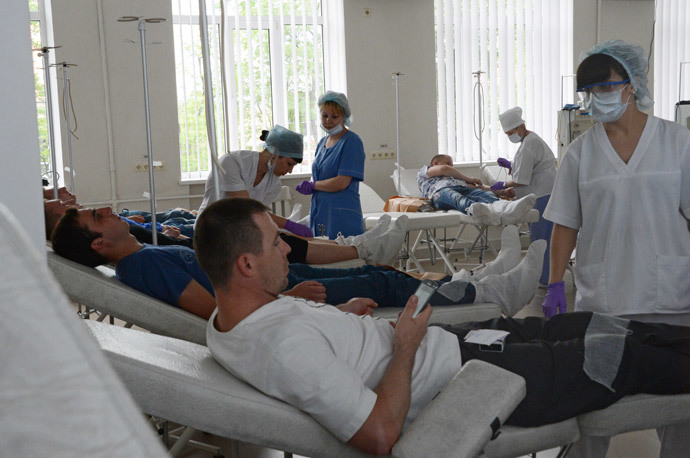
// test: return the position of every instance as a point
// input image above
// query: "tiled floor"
(642, 444)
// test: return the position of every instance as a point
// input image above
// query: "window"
(274, 61)
(671, 56)
(524, 49)
(39, 32)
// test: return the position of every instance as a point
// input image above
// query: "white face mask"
(334, 131)
(607, 106)
(515, 138)
(271, 165)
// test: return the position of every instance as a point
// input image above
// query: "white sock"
(384, 248)
(381, 227)
(511, 211)
(463, 275)
(507, 258)
(515, 288)
(484, 214)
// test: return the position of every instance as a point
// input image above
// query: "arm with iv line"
(449, 171)
(282, 223)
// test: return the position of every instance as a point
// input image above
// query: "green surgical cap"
(633, 60)
(284, 142)
(340, 99)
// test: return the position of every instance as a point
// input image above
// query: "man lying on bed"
(365, 380)
(312, 251)
(449, 189)
(172, 274)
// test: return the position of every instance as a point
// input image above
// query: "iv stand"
(396, 76)
(480, 120)
(216, 168)
(65, 89)
(142, 35)
(49, 104)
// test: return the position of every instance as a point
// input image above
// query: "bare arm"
(563, 241)
(513, 184)
(448, 171)
(279, 220)
(197, 300)
(335, 184)
(382, 428)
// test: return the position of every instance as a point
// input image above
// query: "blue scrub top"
(338, 211)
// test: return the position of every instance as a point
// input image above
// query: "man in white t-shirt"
(365, 379)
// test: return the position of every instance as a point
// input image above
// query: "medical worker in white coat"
(257, 174)
(533, 170)
(623, 193)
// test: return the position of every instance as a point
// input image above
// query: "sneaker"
(381, 227)
(384, 248)
(515, 288)
(507, 258)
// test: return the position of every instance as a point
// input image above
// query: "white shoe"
(515, 288)
(484, 214)
(296, 213)
(511, 211)
(384, 248)
(507, 258)
(381, 227)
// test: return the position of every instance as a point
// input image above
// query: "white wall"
(396, 36)
(20, 171)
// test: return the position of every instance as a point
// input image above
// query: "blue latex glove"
(306, 187)
(498, 186)
(298, 229)
(554, 302)
(505, 163)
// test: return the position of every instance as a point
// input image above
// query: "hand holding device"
(424, 292)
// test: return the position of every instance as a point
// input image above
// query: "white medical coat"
(534, 166)
(240, 172)
(633, 251)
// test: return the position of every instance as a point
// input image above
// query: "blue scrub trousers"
(386, 286)
(541, 230)
(461, 197)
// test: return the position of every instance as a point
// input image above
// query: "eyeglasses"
(608, 86)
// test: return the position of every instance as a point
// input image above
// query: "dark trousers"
(549, 354)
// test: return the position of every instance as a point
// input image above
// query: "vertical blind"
(671, 49)
(524, 49)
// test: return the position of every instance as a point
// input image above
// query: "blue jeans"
(461, 197)
(388, 287)
(160, 216)
(541, 230)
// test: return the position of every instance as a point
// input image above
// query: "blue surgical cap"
(340, 99)
(284, 142)
(633, 60)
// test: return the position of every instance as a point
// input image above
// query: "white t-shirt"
(240, 168)
(326, 362)
(633, 250)
(534, 166)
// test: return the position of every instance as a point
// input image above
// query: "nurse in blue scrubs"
(337, 170)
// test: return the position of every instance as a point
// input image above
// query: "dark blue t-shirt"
(162, 271)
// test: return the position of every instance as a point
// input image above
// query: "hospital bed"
(426, 224)
(98, 289)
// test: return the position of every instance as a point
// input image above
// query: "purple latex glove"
(554, 302)
(306, 187)
(498, 186)
(505, 163)
(298, 229)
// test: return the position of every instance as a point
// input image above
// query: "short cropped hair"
(73, 241)
(224, 231)
(437, 157)
(597, 69)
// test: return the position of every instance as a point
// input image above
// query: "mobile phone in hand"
(424, 292)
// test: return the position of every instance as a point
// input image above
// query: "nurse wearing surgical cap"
(337, 170)
(257, 174)
(623, 193)
(533, 170)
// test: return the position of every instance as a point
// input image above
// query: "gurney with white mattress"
(426, 224)
(98, 289)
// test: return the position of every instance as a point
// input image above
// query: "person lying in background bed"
(449, 189)
(172, 274)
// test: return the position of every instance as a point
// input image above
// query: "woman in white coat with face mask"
(623, 193)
